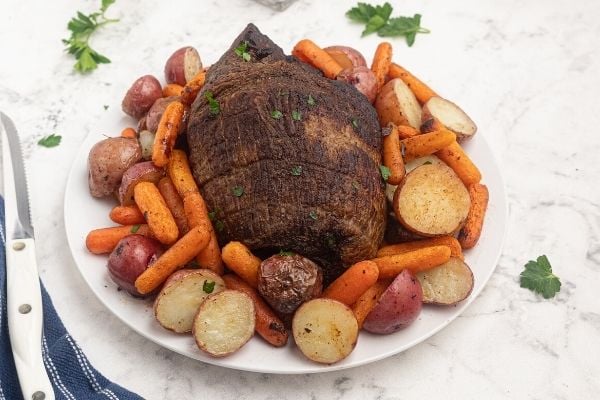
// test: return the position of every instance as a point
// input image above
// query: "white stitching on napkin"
(53, 371)
(1, 313)
(81, 359)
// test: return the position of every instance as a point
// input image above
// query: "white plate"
(84, 213)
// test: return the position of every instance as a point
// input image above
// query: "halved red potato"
(449, 115)
(177, 303)
(224, 323)
(448, 283)
(432, 201)
(141, 172)
(362, 78)
(397, 307)
(396, 103)
(346, 56)
(325, 330)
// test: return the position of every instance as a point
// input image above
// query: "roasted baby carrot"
(456, 158)
(175, 204)
(182, 252)
(268, 325)
(426, 144)
(415, 261)
(104, 240)
(192, 88)
(166, 133)
(382, 61)
(155, 210)
(349, 286)
(470, 232)
(422, 91)
(392, 157)
(450, 241)
(127, 215)
(129, 133)
(172, 89)
(365, 303)
(180, 173)
(240, 260)
(406, 131)
(306, 50)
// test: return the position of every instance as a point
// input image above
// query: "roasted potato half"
(446, 284)
(441, 111)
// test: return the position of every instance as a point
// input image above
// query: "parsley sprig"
(377, 19)
(242, 51)
(539, 278)
(50, 140)
(82, 27)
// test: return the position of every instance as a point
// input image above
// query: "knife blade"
(24, 297)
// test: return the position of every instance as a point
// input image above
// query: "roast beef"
(288, 159)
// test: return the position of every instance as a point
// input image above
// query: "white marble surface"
(526, 71)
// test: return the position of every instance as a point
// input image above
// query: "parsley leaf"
(276, 114)
(135, 228)
(212, 215)
(311, 101)
(208, 286)
(364, 12)
(296, 115)
(50, 140)
(297, 170)
(242, 51)
(286, 253)
(539, 278)
(237, 191)
(313, 215)
(213, 105)
(385, 172)
(403, 26)
(354, 123)
(82, 27)
(219, 225)
(374, 25)
(355, 185)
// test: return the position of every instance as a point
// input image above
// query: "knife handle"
(25, 317)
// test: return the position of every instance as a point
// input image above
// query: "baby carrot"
(129, 133)
(426, 144)
(268, 325)
(381, 63)
(155, 210)
(240, 260)
(470, 232)
(127, 215)
(175, 204)
(422, 92)
(349, 286)
(182, 252)
(180, 173)
(449, 241)
(368, 301)
(456, 158)
(307, 50)
(406, 131)
(392, 157)
(192, 88)
(172, 89)
(166, 133)
(415, 261)
(104, 240)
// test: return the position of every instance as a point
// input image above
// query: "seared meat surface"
(290, 159)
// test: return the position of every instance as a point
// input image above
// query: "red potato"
(397, 307)
(397, 104)
(182, 66)
(224, 323)
(141, 95)
(132, 255)
(142, 172)
(363, 79)
(446, 284)
(107, 162)
(346, 56)
(441, 111)
(177, 303)
(325, 330)
(156, 111)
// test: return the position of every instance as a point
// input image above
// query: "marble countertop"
(526, 71)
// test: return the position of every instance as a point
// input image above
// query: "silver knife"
(24, 298)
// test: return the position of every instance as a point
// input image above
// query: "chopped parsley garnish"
(208, 286)
(354, 123)
(50, 141)
(385, 172)
(212, 215)
(296, 115)
(276, 114)
(135, 228)
(242, 51)
(355, 185)
(313, 215)
(311, 101)
(539, 278)
(238, 191)
(219, 225)
(286, 253)
(297, 170)
(213, 105)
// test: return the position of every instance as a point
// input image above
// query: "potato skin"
(182, 66)
(285, 282)
(141, 172)
(397, 307)
(343, 54)
(141, 95)
(107, 162)
(397, 104)
(363, 79)
(156, 111)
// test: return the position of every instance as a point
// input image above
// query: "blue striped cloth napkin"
(71, 374)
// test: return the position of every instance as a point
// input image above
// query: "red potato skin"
(156, 111)
(182, 66)
(397, 307)
(354, 56)
(141, 172)
(132, 255)
(107, 162)
(141, 95)
(363, 79)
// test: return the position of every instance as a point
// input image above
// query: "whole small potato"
(182, 66)
(346, 56)
(141, 95)
(141, 172)
(363, 79)
(107, 162)
(131, 257)
(397, 307)
(287, 281)
(156, 111)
